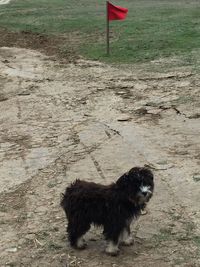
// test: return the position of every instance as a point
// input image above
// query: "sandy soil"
(93, 121)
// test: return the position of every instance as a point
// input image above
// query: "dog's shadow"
(95, 249)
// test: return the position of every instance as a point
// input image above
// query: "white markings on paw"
(128, 242)
(125, 238)
(112, 249)
(81, 243)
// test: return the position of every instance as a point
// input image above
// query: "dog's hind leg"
(76, 232)
(112, 234)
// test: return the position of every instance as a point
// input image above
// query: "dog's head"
(137, 184)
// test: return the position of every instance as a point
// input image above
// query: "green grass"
(153, 29)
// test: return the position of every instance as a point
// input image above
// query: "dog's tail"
(65, 202)
(62, 197)
(65, 198)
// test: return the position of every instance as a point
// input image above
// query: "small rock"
(11, 249)
(121, 93)
(29, 215)
(30, 236)
(141, 111)
(144, 212)
(196, 177)
(5, 61)
(124, 118)
(154, 111)
(162, 162)
(159, 166)
(194, 116)
(24, 93)
(3, 98)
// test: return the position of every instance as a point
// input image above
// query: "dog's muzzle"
(145, 193)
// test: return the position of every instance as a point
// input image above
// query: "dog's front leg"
(112, 248)
(125, 236)
(112, 235)
(81, 244)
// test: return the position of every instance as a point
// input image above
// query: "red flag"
(116, 12)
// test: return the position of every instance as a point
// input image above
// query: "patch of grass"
(196, 239)
(189, 227)
(196, 177)
(175, 217)
(164, 235)
(3, 208)
(153, 29)
(184, 99)
(43, 235)
(179, 261)
(51, 184)
(54, 246)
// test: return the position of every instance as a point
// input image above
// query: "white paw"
(128, 242)
(81, 244)
(112, 249)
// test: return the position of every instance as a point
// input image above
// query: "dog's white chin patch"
(145, 189)
(145, 192)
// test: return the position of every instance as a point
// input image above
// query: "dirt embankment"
(92, 121)
(51, 45)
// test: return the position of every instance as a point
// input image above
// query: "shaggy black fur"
(111, 206)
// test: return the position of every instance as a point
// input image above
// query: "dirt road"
(93, 121)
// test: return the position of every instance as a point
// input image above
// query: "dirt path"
(93, 121)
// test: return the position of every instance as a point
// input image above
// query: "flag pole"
(107, 31)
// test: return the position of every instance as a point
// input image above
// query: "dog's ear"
(146, 173)
(128, 177)
(139, 172)
(133, 175)
(123, 181)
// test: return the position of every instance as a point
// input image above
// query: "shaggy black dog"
(112, 206)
